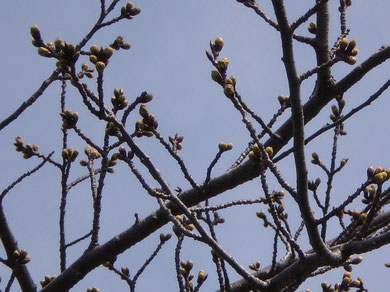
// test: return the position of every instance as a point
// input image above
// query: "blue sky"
(167, 58)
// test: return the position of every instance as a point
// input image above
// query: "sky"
(167, 58)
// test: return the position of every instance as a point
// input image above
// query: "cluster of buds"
(66, 53)
(144, 97)
(147, 125)
(202, 276)
(336, 110)
(313, 185)
(261, 215)
(344, 4)
(352, 261)
(369, 194)
(123, 154)
(100, 56)
(217, 220)
(69, 154)
(119, 101)
(120, 44)
(223, 146)
(186, 224)
(378, 175)
(27, 150)
(277, 196)
(113, 130)
(185, 270)
(91, 153)
(356, 215)
(315, 158)
(21, 257)
(69, 119)
(347, 51)
(93, 289)
(312, 28)
(85, 71)
(176, 142)
(230, 86)
(255, 267)
(256, 156)
(346, 284)
(284, 101)
(111, 163)
(125, 273)
(47, 280)
(165, 237)
(129, 11)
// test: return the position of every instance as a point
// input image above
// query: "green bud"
(108, 51)
(44, 52)
(135, 11)
(35, 33)
(100, 66)
(351, 60)
(95, 50)
(312, 28)
(229, 90)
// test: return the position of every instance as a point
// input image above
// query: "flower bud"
(202, 276)
(100, 66)
(269, 150)
(108, 51)
(229, 90)
(312, 27)
(215, 76)
(35, 33)
(218, 44)
(135, 11)
(44, 52)
(343, 43)
(95, 50)
(351, 60)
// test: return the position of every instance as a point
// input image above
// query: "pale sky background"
(167, 58)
